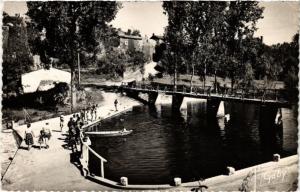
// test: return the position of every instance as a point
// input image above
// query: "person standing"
(74, 117)
(61, 122)
(77, 133)
(82, 114)
(84, 159)
(46, 134)
(116, 104)
(70, 126)
(92, 112)
(29, 136)
(95, 111)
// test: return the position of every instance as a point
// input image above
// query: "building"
(130, 42)
(43, 79)
(148, 48)
(157, 38)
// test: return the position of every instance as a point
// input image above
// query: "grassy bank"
(37, 114)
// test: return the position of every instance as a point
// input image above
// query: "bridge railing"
(242, 93)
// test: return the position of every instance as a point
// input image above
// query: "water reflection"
(186, 144)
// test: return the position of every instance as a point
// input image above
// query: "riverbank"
(52, 169)
(46, 112)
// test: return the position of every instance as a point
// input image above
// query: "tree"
(240, 22)
(211, 35)
(136, 58)
(174, 37)
(17, 58)
(291, 69)
(70, 27)
(112, 64)
(136, 32)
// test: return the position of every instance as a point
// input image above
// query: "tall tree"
(211, 33)
(174, 37)
(17, 58)
(70, 27)
(240, 21)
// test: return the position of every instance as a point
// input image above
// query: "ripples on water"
(165, 145)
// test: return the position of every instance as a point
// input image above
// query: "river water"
(187, 144)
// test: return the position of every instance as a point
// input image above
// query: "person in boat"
(116, 104)
(61, 122)
(29, 136)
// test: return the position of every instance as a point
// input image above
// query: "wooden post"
(102, 168)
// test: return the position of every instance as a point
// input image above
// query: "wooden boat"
(109, 133)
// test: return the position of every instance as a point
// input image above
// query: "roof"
(123, 35)
(33, 80)
(157, 37)
(46, 85)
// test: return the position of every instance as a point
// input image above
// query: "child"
(29, 136)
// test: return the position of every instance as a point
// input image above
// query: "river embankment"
(52, 169)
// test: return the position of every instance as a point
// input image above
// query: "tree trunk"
(204, 79)
(232, 80)
(192, 76)
(175, 75)
(72, 82)
(215, 81)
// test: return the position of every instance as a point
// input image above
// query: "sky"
(280, 22)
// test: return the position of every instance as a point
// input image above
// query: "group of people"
(43, 137)
(89, 113)
(74, 128)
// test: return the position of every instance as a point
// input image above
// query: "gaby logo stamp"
(273, 177)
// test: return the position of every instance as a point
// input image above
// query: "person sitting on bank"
(29, 134)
